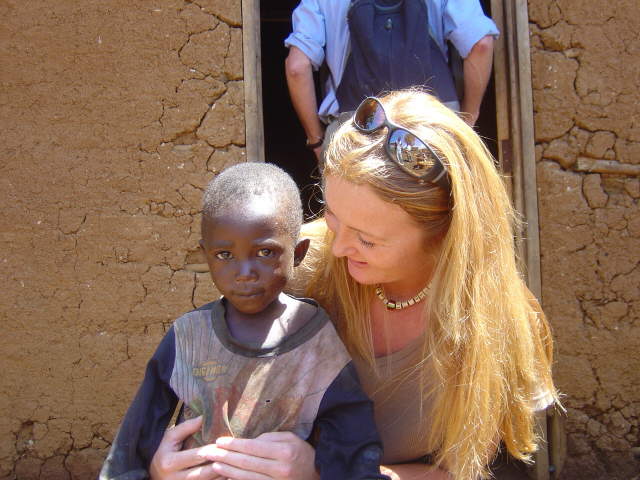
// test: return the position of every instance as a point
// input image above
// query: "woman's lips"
(356, 263)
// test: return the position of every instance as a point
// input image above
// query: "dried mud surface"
(115, 114)
(586, 79)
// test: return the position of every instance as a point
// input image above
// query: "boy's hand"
(170, 463)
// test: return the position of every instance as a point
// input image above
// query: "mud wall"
(114, 116)
(586, 80)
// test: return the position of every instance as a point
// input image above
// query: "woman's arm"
(271, 456)
(284, 456)
(414, 471)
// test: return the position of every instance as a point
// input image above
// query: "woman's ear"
(302, 247)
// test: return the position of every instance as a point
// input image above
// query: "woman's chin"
(360, 274)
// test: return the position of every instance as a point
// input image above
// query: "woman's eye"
(265, 252)
(366, 243)
(224, 255)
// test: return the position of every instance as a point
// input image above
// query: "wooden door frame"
(252, 58)
(516, 155)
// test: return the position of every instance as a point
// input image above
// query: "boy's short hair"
(236, 185)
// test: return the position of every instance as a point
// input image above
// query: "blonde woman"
(414, 259)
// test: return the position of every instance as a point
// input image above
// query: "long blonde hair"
(487, 342)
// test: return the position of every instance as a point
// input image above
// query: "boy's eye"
(265, 252)
(224, 255)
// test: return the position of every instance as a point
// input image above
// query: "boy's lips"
(247, 293)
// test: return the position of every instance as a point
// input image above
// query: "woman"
(459, 360)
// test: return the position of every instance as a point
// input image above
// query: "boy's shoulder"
(202, 313)
(315, 324)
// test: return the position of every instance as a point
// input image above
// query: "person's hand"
(169, 463)
(271, 456)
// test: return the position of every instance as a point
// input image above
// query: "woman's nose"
(342, 245)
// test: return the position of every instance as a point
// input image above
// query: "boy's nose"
(246, 272)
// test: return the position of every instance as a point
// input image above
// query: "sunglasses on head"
(411, 154)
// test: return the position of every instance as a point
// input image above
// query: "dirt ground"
(116, 113)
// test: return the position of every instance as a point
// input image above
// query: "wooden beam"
(196, 267)
(251, 52)
(517, 144)
(529, 182)
(592, 165)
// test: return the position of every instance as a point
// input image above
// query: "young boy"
(257, 360)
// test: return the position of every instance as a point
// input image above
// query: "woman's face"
(381, 242)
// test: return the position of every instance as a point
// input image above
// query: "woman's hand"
(414, 471)
(170, 463)
(271, 456)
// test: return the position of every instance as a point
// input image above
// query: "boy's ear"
(302, 247)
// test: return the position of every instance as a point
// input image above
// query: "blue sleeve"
(146, 420)
(348, 445)
(309, 33)
(465, 24)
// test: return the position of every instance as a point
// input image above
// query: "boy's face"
(250, 256)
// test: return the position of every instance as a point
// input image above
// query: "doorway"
(284, 138)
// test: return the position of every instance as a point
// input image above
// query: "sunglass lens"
(369, 116)
(410, 152)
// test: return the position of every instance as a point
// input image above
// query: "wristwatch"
(311, 146)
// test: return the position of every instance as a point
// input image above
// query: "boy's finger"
(186, 459)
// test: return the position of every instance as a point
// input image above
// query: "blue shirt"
(321, 32)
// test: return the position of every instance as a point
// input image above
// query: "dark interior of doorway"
(284, 137)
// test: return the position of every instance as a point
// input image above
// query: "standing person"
(321, 34)
(257, 360)
(416, 264)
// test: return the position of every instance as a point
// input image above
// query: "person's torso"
(391, 49)
(242, 390)
(402, 412)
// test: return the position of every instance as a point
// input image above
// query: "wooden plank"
(251, 52)
(556, 432)
(197, 267)
(529, 182)
(515, 127)
(592, 165)
(500, 75)
(528, 195)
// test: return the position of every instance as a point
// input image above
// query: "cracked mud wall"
(115, 114)
(586, 81)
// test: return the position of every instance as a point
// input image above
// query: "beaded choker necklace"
(393, 305)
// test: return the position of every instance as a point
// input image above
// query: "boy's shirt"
(305, 382)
